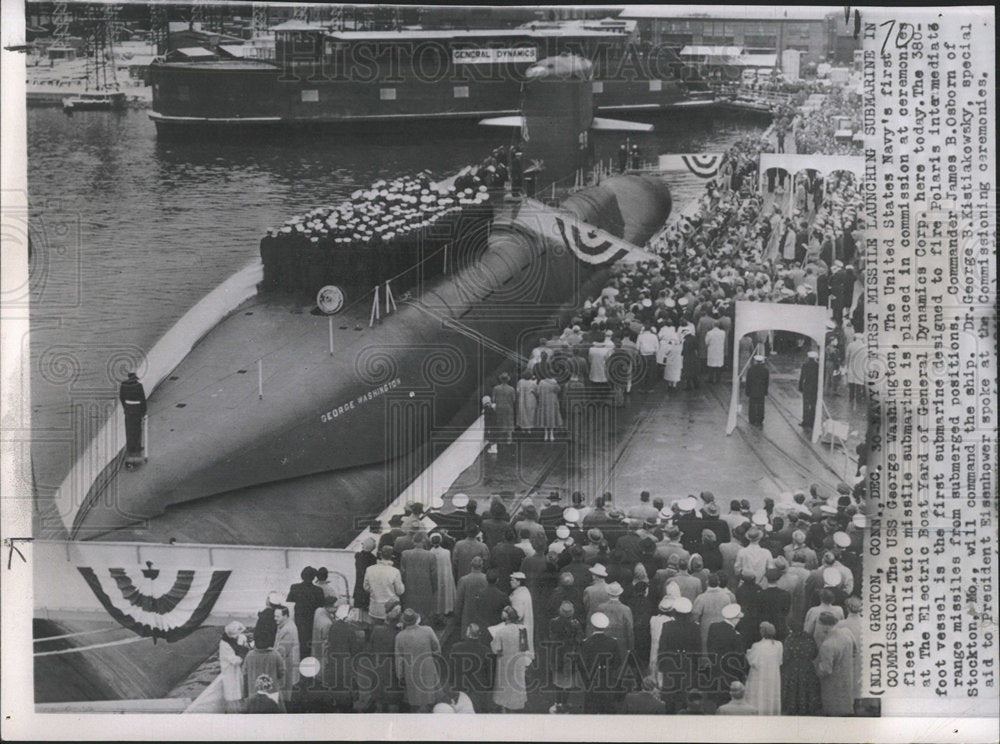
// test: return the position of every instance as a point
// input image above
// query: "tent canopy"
(822, 163)
(809, 320)
(712, 52)
(759, 61)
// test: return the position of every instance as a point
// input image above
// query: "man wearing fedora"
(417, 648)
(133, 400)
(620, 622)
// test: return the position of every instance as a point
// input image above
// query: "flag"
(589, 244)
(156, 608)
(589, 248)
(705, 165)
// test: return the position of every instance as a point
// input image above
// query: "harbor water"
(128, 231)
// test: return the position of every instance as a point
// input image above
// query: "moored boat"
(94, 101)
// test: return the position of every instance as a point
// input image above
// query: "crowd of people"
(389, 209)
(658, 608)
(671, 323)
(814, 130)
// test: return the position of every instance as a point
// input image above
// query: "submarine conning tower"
(558, 110)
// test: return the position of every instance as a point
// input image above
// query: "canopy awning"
(821, 163)
(713, 52)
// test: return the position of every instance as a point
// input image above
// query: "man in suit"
(726, 648)
(469, 594)
(620, 624)
(133, 400)
(758, 379)
(306, 597)
(677, 654)
(601, 664)
(551, 516)
(465, 550)
(809, 387)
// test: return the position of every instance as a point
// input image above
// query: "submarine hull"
(261, 398)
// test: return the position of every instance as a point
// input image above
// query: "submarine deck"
(670, 443)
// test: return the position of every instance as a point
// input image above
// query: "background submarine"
(385, 388)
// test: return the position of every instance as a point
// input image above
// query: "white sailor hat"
(562, 532)
(832, 577)
(460, 500)
(599, 620)
(732, 611)
(571, 515)
(759, 518)
(860, 521)
(687, 504)
(813, 354)
(841, 539)
(682, 605)
(828, 510)
(669, 302)
(519, 575)
(437, 502)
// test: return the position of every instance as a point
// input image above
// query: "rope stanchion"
(389, 299)
(375, 310)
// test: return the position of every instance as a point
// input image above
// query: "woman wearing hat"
(800, 691)
(527, 401)
(764, 680)
(547, 414)
(417, 648)
(233, 648)
(504, 401)
(512, 648)
(670, 343)
(565, 637)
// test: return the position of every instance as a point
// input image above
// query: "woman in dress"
(503, 401)
(510, 644)
(526, 401)
(799, 683)
(764, 680)
(233, 648)
(445, 593)
(670, 342)
(547, 416)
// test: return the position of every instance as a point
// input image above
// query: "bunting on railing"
(705, 165)
(156, 608)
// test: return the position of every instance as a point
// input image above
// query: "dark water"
(128, 231)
